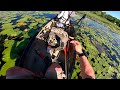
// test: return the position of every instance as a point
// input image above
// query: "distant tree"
(103, 14)
(107, 16)
(97, 12)
(110, 18)
(117, 22)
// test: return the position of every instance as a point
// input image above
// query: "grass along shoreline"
(102, 21)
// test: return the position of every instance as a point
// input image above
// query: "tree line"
(108, 17)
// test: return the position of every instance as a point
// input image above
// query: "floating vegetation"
(99, 43)
(16, 29)
(102, 45)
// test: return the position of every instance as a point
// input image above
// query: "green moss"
(8, 30)
(100, 76)
(25, 35)
(5, 67)
(101, 20)
(7, 52)
(118, 75)
(7, 26)
(32, 25)
(91, 37)
(24, 19)
(74, 75)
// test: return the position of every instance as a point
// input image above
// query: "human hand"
(77, 46)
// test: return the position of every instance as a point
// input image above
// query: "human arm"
(86, 69)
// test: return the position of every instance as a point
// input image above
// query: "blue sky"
(114, 13)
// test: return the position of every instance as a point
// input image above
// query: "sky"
(114, 13)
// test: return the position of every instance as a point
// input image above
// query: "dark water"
(45, 14)
(15, 20)
(49, 15)
(102, 31)
(110, 37)
(105, 30)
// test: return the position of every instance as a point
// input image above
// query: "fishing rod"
(67, 51)
(80, 20)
